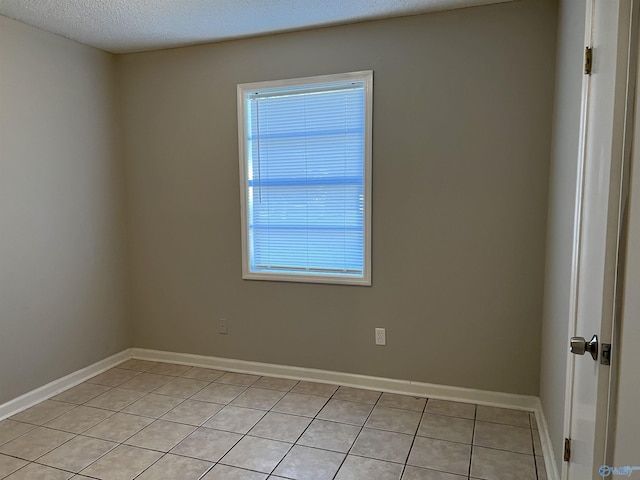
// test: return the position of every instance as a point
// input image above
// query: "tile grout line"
(123, 443)
(86, 466)
(164, 454)
(314, 418)
(299, 436)
(533, 449)
(75, 435)
(413, 441)
(355, 439)
(473, 434)
(46, 453)
(362, 428)
(247, 433)
(242, 436)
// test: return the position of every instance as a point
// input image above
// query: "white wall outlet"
(222, 327)
(381, 336)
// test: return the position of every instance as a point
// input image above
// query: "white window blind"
(305, 180)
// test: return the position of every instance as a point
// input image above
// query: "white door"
(596, 234)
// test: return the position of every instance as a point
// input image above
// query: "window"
(305, 178)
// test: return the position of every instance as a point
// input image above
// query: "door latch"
(605, 358)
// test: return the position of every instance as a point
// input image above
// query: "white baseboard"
(547, 447)
(404, 387)
(50, 389)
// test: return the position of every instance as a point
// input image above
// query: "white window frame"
(242, 90)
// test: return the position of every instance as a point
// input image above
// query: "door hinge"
(588, 60)
(567, 449)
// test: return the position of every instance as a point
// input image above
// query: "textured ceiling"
(120, 26)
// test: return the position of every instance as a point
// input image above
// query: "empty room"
(390, 240)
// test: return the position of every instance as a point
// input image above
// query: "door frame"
(615, 198)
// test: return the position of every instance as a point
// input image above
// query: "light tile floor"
(148, 420)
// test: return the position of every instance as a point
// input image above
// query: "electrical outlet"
(381, 336)
(222, 327)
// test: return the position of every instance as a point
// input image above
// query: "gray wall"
(62, 303)
(462, 112)
(562, 190)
